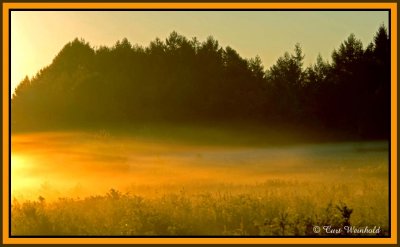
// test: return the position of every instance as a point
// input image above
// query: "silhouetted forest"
(183, 80)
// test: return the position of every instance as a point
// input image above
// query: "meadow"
(102, 183)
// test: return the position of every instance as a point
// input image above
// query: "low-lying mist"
(75, 164)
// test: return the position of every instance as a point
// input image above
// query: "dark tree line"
(184, 80)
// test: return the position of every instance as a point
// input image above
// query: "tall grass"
(276, 207)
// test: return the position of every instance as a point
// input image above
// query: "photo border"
(7, 7)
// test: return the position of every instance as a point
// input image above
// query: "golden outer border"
(211, 240)
(5, 130)
(200, 5)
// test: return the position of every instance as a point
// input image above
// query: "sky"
(38, 36)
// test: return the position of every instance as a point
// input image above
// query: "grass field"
(276, 207)
(107, 184)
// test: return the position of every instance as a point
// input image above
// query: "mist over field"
(137, 186)
(185, 137)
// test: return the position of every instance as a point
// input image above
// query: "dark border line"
(390, 127)
(9, 124)
(190, 236)
(193, 9)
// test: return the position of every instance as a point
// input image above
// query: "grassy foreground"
(276, 207)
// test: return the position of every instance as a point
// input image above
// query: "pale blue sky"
(37, 36)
